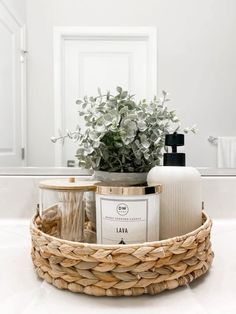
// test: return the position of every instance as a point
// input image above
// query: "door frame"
(23, 73)
(61, 34)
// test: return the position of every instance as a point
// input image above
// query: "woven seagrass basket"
(119, 270)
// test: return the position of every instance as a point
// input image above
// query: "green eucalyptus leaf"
(79, 102)
(119, 89)
(124, 95)
(142, 126)
(101, 128)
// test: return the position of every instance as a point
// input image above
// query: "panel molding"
(61, 34)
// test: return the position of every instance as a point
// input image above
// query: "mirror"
(55, 52)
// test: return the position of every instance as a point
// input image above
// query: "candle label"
(122, 220)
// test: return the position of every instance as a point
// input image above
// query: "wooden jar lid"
(68, 184)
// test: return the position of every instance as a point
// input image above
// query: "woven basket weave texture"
(117, 270)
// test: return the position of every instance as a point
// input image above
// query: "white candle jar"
(126, 215)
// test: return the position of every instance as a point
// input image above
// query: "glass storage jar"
(65, 200)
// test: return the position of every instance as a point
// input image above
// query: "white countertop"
(21, 292)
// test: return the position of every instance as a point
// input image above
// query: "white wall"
(196, 63)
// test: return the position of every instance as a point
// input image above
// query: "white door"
(11, 88)
(96, 60)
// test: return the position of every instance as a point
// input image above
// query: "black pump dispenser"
(174, 158)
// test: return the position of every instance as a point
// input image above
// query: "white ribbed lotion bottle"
(181, 199)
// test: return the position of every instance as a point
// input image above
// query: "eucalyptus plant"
(122, 135)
